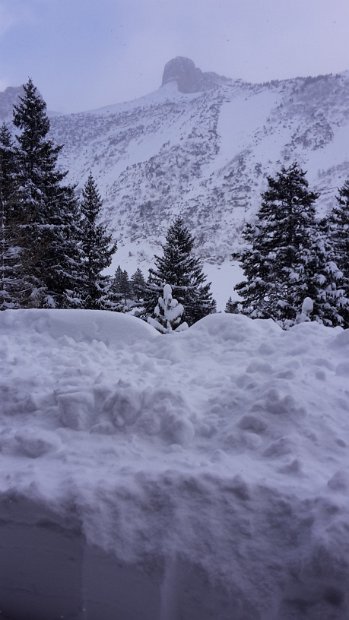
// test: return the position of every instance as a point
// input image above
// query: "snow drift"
(189, 476)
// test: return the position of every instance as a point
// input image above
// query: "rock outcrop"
(189, 78)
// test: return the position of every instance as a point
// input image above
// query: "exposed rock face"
(189, 78)
(7, 100)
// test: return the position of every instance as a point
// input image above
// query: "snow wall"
(184, 477)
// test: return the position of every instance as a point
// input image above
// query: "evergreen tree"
(279, 246)
(138, 284)
(97, 249)
(183, 272)
(338, 235)
(330, 298)
(230, 306)
(125, 286)
(338, 222)
(9, 250)
(119, 296)
(286, 259)
(47, 228)
(168, 313)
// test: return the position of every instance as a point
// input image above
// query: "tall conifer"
(97, 249)
(179, 268)
(48, 222)
(9, 249)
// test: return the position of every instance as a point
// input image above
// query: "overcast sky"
(84, 54)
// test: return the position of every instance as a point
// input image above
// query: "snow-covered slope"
(205, 153)
(195, 476)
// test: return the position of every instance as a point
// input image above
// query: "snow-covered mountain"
(202, 145)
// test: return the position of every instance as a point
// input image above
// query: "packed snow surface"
(211, 463)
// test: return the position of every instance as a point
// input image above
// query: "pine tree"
(138, 284)
(168, 313)
(9, 250)
(125, 286)
(285, 260)
(339, 229)
(230, 306)
(183, 272)
(47, 228)
(338, 235)
(97, 249)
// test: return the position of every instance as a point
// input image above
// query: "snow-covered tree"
(279, 249)
(306, 311)
(330, 298)
(168, 313)
(97, 249)
(179, 268)
(338, 234)
(9, 250)
(47, 226)
(288, 256)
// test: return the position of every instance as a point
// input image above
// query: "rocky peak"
(188, 77)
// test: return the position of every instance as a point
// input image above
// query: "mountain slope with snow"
(205, 152)
(194, 475)
(202, 146)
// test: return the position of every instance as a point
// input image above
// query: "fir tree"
(97, 249)
(286, 259)
(183, 272)
(168, 313)
(330, 299)
(120, 291)
(230, 306)
(47, 214)
(9, 250)
(138, 284)
(338, 235)
(279, 247)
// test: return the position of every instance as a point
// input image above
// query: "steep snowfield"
(194, 476)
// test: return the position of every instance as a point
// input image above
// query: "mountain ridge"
(206, 154)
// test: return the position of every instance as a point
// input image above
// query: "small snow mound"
(112, 328)
(339, 481)
(77, 410)
(252, 424)
(32, 443)
(233, 328)
(123, 406)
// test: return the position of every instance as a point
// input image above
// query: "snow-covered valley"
(195, 475)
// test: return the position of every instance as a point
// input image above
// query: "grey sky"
(87, 53)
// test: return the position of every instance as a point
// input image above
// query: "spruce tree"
(97, 249)
(48, 222)
(138, 284)
(280, 262)
(179, 268)
(9, 249)
(338, 235)
(168, 313)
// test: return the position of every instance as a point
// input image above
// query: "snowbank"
(195, 475)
